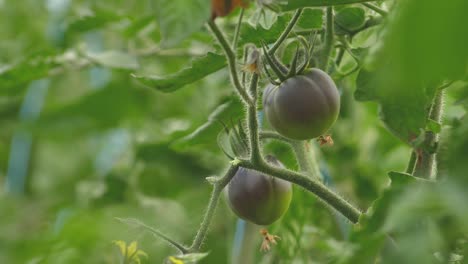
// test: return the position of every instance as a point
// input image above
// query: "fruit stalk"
(306, 159)
(317, 188)
(286, 32)
(329, 39)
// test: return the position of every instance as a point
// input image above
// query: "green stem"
(255, 153)
(231, 58)
(306, 159)
(237, 31)
(329, 39)
(426, 161)
(340, 55)
(375, 8)
(411, 163)
(320, 190)
(286, 32)
(215, 194)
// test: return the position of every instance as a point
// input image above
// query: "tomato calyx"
(325, 140)
(268, 239)
(233, 141)
(298, 65)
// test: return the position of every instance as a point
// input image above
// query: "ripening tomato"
(257, 197)
(303, 106)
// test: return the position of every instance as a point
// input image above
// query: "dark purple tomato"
(257, 197)
(303, 106)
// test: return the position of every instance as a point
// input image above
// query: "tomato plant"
(115, 116)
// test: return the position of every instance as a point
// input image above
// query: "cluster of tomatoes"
(302, 107)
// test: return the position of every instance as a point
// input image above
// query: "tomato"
(257, 197)
(303, 106)
(220, 8)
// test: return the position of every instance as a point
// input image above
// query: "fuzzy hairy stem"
(255, 153)
(211, 208)
(231, 58)
(306, 159)
(320, 190)
(329, 39)
(426, 161)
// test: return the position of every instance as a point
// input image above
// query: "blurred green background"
(82, 142)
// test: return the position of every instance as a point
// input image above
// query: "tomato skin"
(257, 197)
(221, 8)
(303, 106)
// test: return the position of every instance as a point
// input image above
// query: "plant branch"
(375, 8)
(211, 208)
(426, 160)
(320, 190)
(231, 58)
(306, 159)
(329, 39)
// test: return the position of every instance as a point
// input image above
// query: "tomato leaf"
(15, 77)
(178, 19)
(207, 133)
(115, 59)
(200, 68)
(98, 19)
(402, 75)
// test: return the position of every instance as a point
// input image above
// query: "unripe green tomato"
(303, 106)
(257, 197)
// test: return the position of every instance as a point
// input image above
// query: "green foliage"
(200, 68)
(179, 19)
(291, 5)
(116, 136)
(349, 19)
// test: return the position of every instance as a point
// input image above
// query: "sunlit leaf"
(200, 68)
